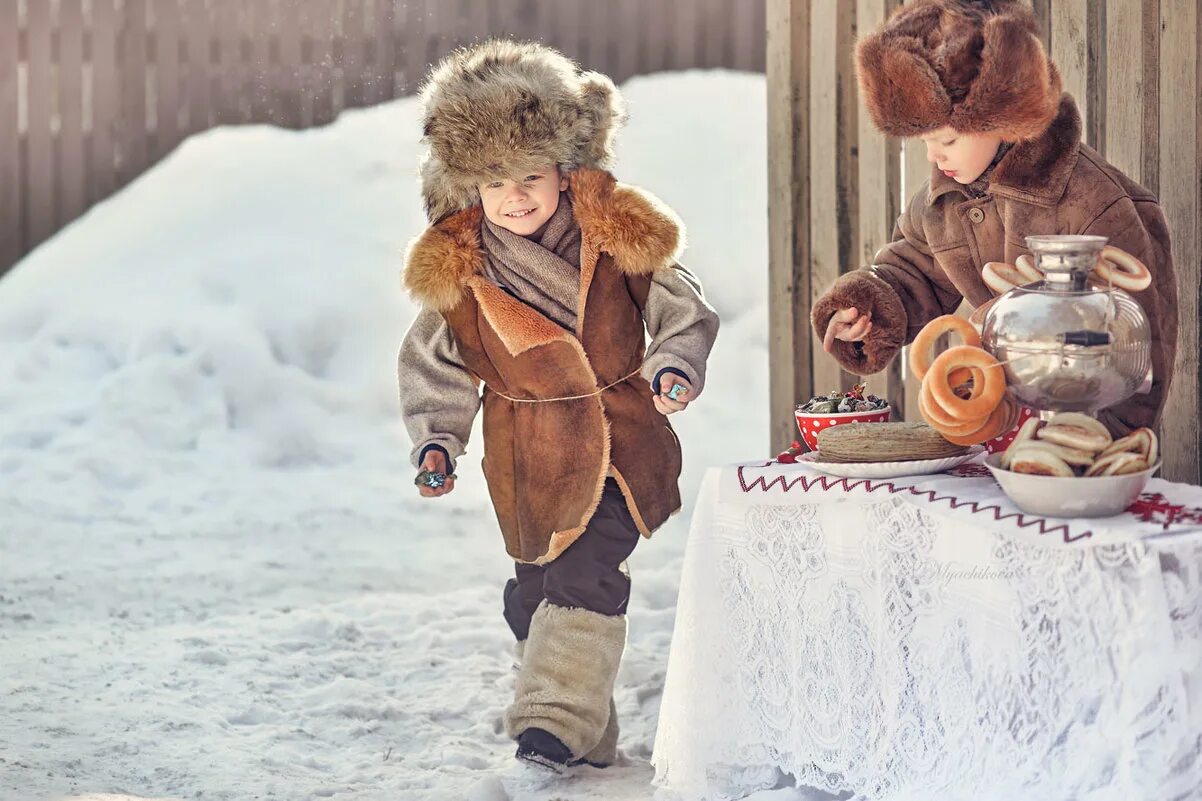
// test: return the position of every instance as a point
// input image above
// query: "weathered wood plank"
(197, 32)
(741, 31)
(880, 193)
(916, 171)
(133, 139)
(383, 52)
(686, 24)
(106, 99)
(1126, 95)
(1071, 45)
(227, 31)
(262, 18)
(626, 25)
(11, 240)
(354, 62)
(833, 186)
(788, 87)
(1180, 155)
(286, 72)
(320, 82)
(39, 191)
(72, 165)
(167, 75)
(1150, 170)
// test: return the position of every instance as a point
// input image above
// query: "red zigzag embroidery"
(828, 483)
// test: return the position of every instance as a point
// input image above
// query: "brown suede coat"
(546, 462)
(1051, 185)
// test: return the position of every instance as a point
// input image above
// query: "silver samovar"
(1067, 344)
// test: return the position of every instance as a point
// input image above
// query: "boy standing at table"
(972, 80)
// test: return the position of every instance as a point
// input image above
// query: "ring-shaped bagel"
(1002, 277)
(1026, 265)
(1117, 266)
(993, 387)
(994, 426)
(924, 343)
(942, 422)
(972, 377)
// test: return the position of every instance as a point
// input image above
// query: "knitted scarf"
(543, 269)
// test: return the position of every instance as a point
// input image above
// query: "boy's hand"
(436, 462)
(847, 325)
(664, 404)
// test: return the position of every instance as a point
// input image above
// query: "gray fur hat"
(502, 108)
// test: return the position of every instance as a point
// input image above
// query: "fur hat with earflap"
(976, 65)
(502, 108)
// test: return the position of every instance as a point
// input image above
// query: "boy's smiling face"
(961, 156)
(522, 204)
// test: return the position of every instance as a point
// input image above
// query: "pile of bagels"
(1115, 267)
(1074, 444)
(963, 394)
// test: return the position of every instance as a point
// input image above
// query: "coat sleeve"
(682, 326)
(1138, 227)
(439, 396)
(903, 290)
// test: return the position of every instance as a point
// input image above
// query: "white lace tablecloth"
(904, 644)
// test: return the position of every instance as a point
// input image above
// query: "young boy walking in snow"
(971, 78)
(539, 278)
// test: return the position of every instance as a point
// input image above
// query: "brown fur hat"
(501, 108)
(976, 65)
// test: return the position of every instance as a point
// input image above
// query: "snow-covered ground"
(216, 577)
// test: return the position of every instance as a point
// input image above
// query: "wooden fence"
(836, 185)
(92, 92)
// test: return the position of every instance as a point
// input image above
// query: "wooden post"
(1180, 154)
(789, 289)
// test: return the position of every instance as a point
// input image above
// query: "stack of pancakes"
(884, 442)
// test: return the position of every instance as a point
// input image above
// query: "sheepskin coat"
(563, 410)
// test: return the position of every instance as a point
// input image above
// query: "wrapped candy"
(432, 480)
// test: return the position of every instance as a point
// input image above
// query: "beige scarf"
(543, 269)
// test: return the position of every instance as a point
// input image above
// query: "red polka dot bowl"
(810, 424)
(998, 444)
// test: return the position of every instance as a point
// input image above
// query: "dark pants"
(590, 574)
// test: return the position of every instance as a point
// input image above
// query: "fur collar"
(634, 227)
(1034, 172)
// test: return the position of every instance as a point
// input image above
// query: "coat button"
(976, 215)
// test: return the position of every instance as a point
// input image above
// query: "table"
(922, 638)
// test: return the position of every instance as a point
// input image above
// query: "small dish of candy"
(836, 408)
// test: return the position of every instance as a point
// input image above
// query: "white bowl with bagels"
(1071, 466)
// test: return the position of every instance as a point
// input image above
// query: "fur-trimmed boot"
(605, 753)
(565, 684)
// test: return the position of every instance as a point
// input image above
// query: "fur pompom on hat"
(502, 108)
(976, 66)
